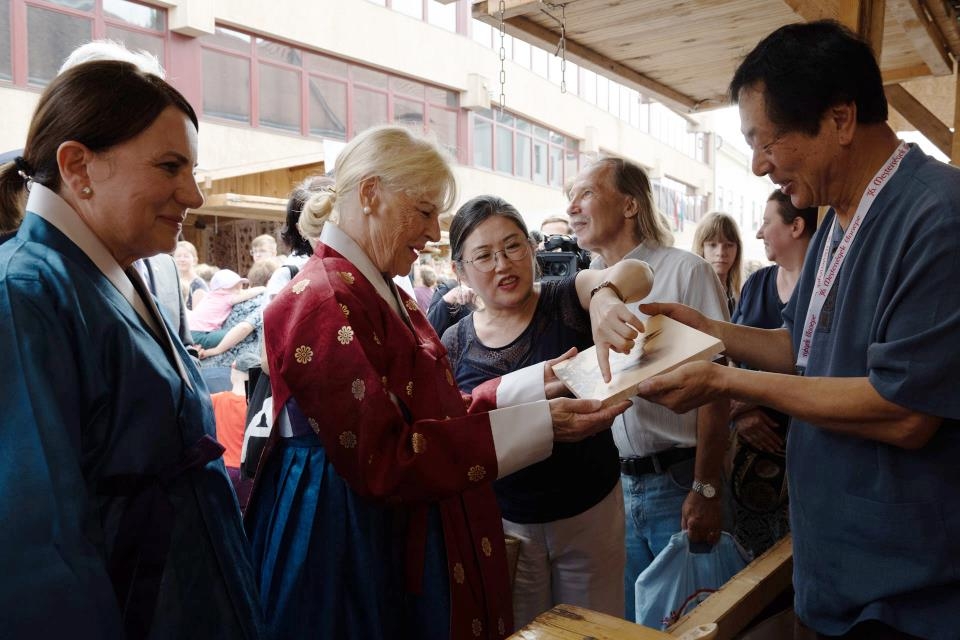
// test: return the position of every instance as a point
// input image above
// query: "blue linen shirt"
(877, 527)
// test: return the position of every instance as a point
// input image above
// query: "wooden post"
(865, 17)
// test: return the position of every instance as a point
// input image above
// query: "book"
(665, 345)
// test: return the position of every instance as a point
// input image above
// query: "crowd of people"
(418, 421)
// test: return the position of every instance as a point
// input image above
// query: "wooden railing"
(720, 617)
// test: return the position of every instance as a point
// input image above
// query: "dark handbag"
(758, 478)
(259, 422)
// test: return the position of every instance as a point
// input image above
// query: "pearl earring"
(87, 191)
(367, 211)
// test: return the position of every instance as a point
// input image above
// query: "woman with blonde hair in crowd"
(119, 519)
(374, 514)
(195, 287)
(717, 240)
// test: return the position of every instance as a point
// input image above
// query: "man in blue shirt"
(867, 362)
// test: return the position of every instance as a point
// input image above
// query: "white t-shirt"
(679, 276)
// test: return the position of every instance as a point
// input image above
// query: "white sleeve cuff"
(522, 435)
(521, 386)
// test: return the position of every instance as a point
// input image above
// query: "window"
(439, 14)
(275, 85)
(54, 28)
(6, 67)
(509, 144)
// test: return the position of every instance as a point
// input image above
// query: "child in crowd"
(206, 319)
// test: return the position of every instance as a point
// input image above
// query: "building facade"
(280, 87)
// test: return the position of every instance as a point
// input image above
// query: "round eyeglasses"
(486, 260)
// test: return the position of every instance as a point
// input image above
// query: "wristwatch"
(606, 284)
(705, 489)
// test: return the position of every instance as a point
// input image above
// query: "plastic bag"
(680, 578)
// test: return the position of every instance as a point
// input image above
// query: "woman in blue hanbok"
(118, 517)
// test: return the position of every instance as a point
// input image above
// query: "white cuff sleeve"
(522, 435)
(521, 386)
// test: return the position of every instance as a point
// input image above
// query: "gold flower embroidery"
(383, 381)
(501, 627)
(411, 305)
(347, 277)
(419, 442)
(345, 309)
(486, 546)
(345, 334)
(376, 338)
(449, 377)
(300, 286)
(303, 354)
(458, 574)
(410, 388)
(477, 627)
(358, 388)
(348, 439)
(370, 459)
(314, 425)
(476, 473)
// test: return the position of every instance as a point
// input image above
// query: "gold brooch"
(411, 305)
(419, 442)
(345, 335)
(347, 277)
(358, 388)
(476, 473)
(303, 354)
(300, 286)
(348, 439)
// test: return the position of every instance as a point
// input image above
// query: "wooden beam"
(896, 76)
(864, 17)
(923, 34)
(744, 596)
(531, 32)
(919, 116)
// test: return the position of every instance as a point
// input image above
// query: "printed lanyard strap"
(828, 269)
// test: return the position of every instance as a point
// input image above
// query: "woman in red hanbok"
(374, 515)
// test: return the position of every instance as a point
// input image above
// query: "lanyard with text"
(829, 269)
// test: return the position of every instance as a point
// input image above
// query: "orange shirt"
(230, 411)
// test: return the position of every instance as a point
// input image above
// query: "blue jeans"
(653, 504)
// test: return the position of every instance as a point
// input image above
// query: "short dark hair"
(806, 69)
(99, 104)
(291, 236)
(789, 213)
(472, 213)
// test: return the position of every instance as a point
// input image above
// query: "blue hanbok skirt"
(330, 564)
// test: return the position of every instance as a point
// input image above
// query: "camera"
(560, 257)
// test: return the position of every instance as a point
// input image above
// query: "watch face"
(709, 491)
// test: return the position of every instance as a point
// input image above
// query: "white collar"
(48, 205)
(335, 238)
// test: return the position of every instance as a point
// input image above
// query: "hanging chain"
(562, 45)
(503, 58)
